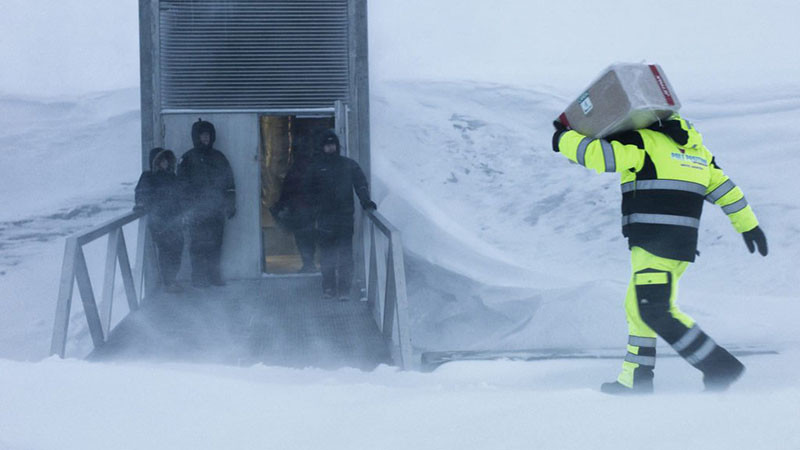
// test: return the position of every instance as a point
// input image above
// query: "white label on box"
(586, 103)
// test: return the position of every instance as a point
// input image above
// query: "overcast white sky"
(52, 47)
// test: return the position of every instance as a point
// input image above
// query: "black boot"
(642, 383)
(720, 370)
(617, 388)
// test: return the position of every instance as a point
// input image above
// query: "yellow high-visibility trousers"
(651, 302)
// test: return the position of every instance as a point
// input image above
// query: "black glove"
(756, 237)
(560, 129)
(673, 129)
(369, 205)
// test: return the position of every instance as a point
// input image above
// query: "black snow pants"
(305, 240)
(205, 249)
(169, 247)
(336, 261)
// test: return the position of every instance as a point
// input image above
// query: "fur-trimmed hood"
(157, 154)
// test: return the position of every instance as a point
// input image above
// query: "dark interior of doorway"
(282, 139)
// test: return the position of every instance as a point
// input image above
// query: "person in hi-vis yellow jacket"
(666, 174)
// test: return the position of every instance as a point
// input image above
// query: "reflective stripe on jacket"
(663, 186)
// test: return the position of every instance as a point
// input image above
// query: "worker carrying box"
(624, 97)
(627, 123)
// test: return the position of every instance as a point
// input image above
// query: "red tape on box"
(563, 119)
(663, 85)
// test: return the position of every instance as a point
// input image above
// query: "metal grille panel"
(253, 54)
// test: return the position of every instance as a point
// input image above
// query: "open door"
(288, 144)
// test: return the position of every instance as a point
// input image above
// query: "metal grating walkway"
(275, 321)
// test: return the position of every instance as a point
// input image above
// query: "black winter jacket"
(207, 177)
(295, 194)
(159, 192)
(332, 179)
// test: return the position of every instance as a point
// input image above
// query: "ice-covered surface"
(509, 246)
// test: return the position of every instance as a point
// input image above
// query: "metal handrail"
(75, 271)
(386, 287)
(386, 282)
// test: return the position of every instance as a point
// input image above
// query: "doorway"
(288, 143)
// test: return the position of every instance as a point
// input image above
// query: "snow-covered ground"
(481, 405)
(509, 246)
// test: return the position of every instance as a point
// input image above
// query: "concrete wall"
(238, 138)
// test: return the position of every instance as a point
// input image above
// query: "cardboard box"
(624, 97)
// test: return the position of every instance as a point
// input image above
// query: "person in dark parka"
(332, 180)
(210, 198)
(158, 194)
(294, 208)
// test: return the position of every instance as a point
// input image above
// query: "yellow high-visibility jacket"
(663, 183)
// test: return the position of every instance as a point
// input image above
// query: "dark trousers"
(169, 247)
(336, 259)
(305, 240)
(206, 247)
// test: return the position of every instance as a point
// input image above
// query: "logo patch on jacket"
(682, 156)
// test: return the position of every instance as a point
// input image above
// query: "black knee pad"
(653, 291)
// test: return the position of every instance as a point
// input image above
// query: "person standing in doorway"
(332, 180)
(294, 209)
(210, 199)
(158, 193)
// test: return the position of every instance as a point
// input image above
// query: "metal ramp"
(279, 321)
(275, 320)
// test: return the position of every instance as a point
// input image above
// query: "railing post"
(58, 345)
(401, 301)
(389, 299)
(143, 274)
(151, 273)
(380, 278)
(125, 271)
(109, 277)
(75, 271)
(87, 297)
(138, 267)
(387, 278)
(372, 277)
